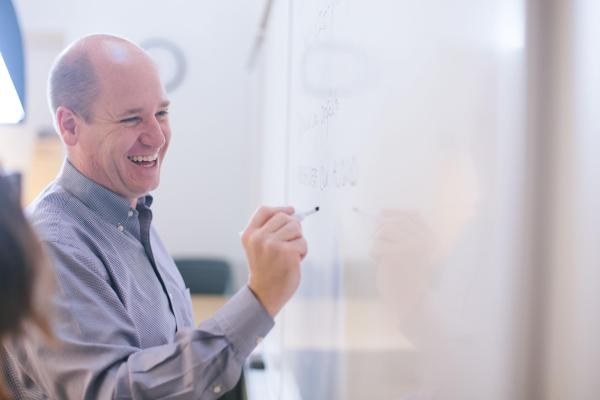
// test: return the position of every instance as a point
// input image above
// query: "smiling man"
(117, 135)
(123, 320)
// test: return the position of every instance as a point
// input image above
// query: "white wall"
(207, 191)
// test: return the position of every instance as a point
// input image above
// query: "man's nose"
(153, 135)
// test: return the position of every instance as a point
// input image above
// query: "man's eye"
(162, 113)
(130, 120)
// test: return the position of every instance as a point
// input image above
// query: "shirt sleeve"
(98, 354)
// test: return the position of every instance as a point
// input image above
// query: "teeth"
(143, 158)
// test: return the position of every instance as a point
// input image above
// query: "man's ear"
(68, 124)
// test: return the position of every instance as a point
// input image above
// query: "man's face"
(123, 145)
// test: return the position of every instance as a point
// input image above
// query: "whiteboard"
(403, 121)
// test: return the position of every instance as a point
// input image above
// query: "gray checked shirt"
(123, 319)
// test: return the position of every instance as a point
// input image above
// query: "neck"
(82, 168)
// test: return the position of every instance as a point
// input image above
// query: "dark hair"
(22, 264)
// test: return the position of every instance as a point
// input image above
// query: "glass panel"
(405, 126)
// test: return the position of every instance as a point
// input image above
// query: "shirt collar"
(111, 206)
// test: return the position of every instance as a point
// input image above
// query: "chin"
(142, 190)
(149, 189)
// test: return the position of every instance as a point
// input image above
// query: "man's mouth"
(144, 160)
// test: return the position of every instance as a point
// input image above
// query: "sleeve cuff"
(244, 321)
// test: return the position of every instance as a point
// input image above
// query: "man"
(124, 319)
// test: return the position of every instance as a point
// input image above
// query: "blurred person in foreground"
(25, 284)
(124, 317)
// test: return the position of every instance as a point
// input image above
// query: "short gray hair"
(73, 83)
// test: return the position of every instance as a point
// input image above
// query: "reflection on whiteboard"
(395, 122)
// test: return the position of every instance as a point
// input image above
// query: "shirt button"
(217, 389)
(130, 213)
(120, 228)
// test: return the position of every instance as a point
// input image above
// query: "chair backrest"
(206, 275)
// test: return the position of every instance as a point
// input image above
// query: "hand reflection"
(406, 253)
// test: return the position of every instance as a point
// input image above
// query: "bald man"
(124, 320)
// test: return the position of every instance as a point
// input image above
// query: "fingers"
(290, 231)
(276, 222)
(299, 246)
(264, 214)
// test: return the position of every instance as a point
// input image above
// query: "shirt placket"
(145, 219)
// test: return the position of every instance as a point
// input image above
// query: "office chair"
(206, 275)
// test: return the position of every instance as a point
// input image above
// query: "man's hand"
(274, 247)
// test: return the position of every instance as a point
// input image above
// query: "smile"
(145, 161)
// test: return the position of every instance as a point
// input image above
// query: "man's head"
(111, 111)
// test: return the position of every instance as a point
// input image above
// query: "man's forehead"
(131, 87)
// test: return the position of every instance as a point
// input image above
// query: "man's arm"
(98, 355)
